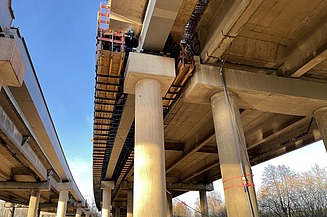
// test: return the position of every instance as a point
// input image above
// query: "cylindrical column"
(62, 203)
(34, 203)
(169, 205)
(117, 211)
(149, 161)
(233, 156)
(130, 203)
(204, 204)
(321, 119)
(78, 212)
(11, 212)
(106, 202)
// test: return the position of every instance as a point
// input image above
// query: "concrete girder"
(13, 134)
(159, 13)
(261, 92)
(30, 100)
(178, 147)
(187, 153)
(227, 23)
(189, 187)
(307, 52)
(123, 130)
(22, 186)
(175, 186)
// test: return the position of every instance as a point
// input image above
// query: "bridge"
(186, 92)
(33, 168)
(191, 91)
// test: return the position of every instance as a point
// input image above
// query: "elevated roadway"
(33, 169)
(271, 56)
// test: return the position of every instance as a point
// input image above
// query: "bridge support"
(233, 157)
(106, 186)
(149, 78)
(78, 212)
(169, 205)
(117, 211)
(321, 119)
(62, 203)
(130, 203)
(33, 204)
(204, 204)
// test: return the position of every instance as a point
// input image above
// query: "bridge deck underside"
(274, 38)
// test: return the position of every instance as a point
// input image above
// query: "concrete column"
(149, 77)
(62, 203)
(117, 211)
(78, 212)
(149, 161)
(321, 119)
(169, 205)
(230, 155)
(130, 203)
(33, 204)
(204, 204)
(11, 212)
(106, 186)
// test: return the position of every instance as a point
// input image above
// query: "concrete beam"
(126, 121)
(227, 23)
(62, 186)
(145, 66)
(190, 187)
(187, 153)
(119, 204)
(13, 134)
(12, 63)
(107, 184)
(159, 13)
(258, 91)
(200, 171)
(313, 60)
(23, 186)
(308, 52)
(170, 146)
(178, 147)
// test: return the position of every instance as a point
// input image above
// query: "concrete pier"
(106, 186)
(204, 204)
(149, 77)
(233, 156)
(34, 203)
(62, 203)
(321, 119)
(130, 203)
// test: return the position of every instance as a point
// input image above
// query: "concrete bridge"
(33, 168)
(200, 90)
(187, 92)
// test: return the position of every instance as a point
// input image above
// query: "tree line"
(283, 193)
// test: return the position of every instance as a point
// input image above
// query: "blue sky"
(60, 36)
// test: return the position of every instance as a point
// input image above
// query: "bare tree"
(181, 210)
(216, 205)
(285, 193)
(276, 197)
